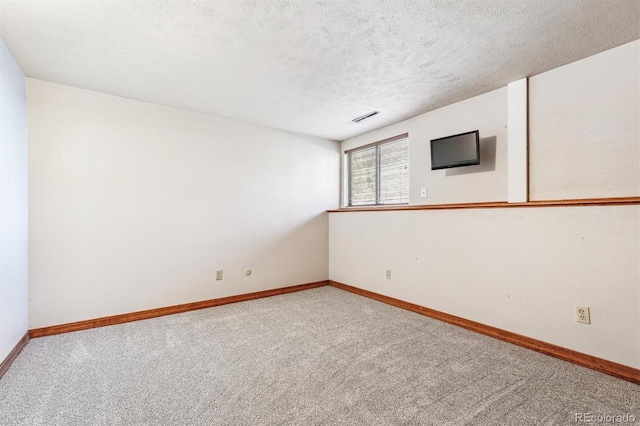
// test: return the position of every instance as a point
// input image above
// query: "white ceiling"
(307, 66)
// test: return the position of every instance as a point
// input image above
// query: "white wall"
(13, 203)
(484, 182)
(524, 270)
(134, 206)
(584, 127)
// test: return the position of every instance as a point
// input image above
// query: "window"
(378, 174)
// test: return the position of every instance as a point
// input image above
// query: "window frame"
(375, 145)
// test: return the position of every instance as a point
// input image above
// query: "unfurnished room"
(319, 212)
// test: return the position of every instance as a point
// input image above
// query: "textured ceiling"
(307, 66)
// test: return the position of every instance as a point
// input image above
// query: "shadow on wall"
(295, 256)
(487, 159)
(277, 258)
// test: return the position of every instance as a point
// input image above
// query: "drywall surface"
(517, 142)
(135, 206)
(522, 270)
(13, 203)
(585, 127)
(484, 182)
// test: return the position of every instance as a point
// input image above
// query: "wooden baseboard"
(602, 365)
(169, 310)
(4, 366)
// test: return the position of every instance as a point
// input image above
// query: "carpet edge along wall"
(584, 360)
(168, 310)
(4, 365)
(602, 365)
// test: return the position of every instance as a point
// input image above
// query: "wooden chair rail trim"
(169, 310)
(620, 201)
(4, 365)
(602, 365)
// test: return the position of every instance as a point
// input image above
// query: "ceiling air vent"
(364, 117)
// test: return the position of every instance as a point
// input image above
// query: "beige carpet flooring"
(316, 357)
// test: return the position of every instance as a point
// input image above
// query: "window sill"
(497, 205)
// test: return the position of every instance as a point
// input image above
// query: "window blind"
(378, 173)
(394, 172)
(363, 177)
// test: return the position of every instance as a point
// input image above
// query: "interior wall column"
(517, 142)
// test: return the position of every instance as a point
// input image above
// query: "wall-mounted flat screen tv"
(455, 151)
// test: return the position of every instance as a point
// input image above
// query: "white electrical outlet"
(218, 274)
(423, 192)
(388, 274)
(583, 315)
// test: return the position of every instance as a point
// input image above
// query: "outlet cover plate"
(583, 315)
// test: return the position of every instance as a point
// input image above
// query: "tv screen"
(455, 151)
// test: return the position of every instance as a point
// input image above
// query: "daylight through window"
(378, 174)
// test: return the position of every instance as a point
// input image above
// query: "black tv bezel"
(474, 162)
